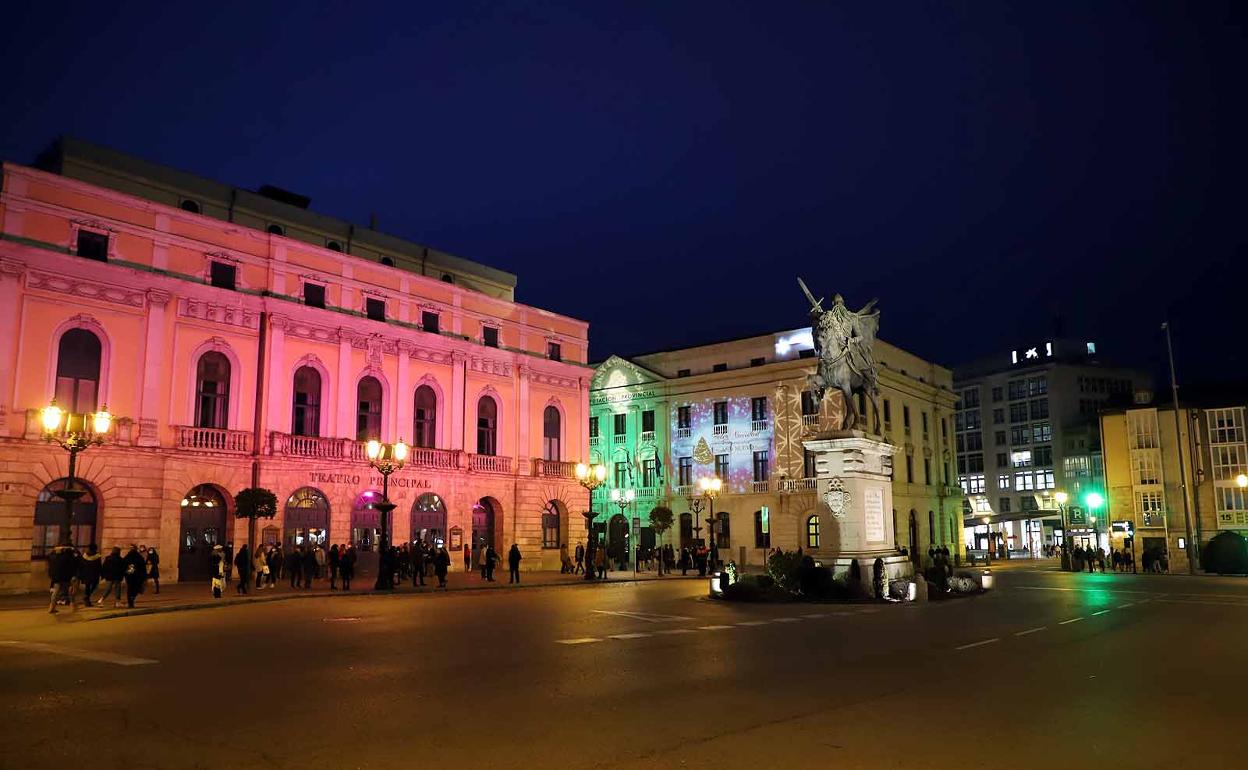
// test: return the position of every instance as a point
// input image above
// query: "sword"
(816, 304)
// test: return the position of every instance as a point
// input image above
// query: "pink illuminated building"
(239, 338)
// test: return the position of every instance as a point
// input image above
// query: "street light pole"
(385, 459)
(1178, 440)
(1061, 498)
(623, 499)
(590, 477)
(93, 428)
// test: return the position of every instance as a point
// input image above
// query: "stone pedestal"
(854, 477)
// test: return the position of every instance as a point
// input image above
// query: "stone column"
(523, 449)
(280, 381)
(403, 392)
(346, 386)
(459, 377)
(11, 273)
(154, 358)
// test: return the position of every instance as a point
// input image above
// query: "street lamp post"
(1094, 501)
(988, 537)
(623, 499)
(74, 433)
(385, 459)
(708, 490)
(590, 477)
(1061, 498)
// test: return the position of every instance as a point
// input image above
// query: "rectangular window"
(621, 475)
(757, 361)
(1037, 386)
(1041, 433)
(972, 420)
(974, 442)
(1003, 505)
(1018, 412)
(927, 471)
(719, 368)
(1226, 426)
(1021, 458)
(314, 295)
(1144, 468)
(975, 463)
(550, 529)
(682, 372)
(1028, 503)
(683, 417)
(970, 398)
(593, 427)
(998, 416)
(1018, 389)
(684, 470)
(647, 421)
(1040, 409)
(1150, 507)
(721, 412)
(554, 351)
(809, 406)
(999, 437)
(1045, 480)
(1024, 482)
(758, 408)
(489, 336)
(92, 245)
(222, 275)
(996, 394)
(975, 484)
(429, 321)
(762, 466)
(621, 424)
(375, 309)
(1142, 429)
(649, 473)
(1003, 460)
(1019, 435)
(721, 467)
(808, 464)
(1042, 456)
(924, 414)
(905, 416)
(1228, 461)
(888, 412)
(909, 469)
(1003, 481)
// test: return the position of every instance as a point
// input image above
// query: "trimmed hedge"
(1226, 554)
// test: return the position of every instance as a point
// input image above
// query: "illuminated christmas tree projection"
(702, 453)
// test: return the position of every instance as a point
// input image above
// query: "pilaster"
(459, 380)
(154, 357)
(279, 389)
(346, 386)
(403, 392)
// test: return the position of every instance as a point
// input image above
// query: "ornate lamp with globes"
(386, 459)
(74, 433)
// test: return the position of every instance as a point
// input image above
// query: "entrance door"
(366, 532)
(618, 541)
(483, 524)
(428, 519)
(202, 527)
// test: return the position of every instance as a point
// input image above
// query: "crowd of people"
(76, 575)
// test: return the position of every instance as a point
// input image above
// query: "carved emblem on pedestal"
(837, 497)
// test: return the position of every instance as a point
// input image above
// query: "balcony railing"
(214, 440)
(797, 485)
(720, 430)
(595, 440)
(427, 457)
(760, 486)
(684, 490)
(647, 437)
(307, 446)
(684, 432)
(810, 421)
(490, 463)
(554, 469)
(760, 425)
(619, 438)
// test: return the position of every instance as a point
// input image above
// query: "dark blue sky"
(664, 170)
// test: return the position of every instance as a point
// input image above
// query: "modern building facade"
(1027, 429)
(241, 340)
(1162, 477)
(739, 411)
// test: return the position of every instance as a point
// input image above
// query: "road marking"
(1197, 601)
(1099, 612)
(787, 620)
(1143, 601)
(581, 640)
(712, 628)
(1128, 604)
(815, 616)
(1072, 620)
(1030, 631)
(72, 652)
(675, 631)
(646, 616)
(628, 636)
(844, 614)
(754, 623)
(978, 644)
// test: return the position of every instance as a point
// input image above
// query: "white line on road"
(72, 652)
(1030, 631)
(1197, 601)
(628, 636)
(754, 623)
(675, 631)
(1099, 612)
(1072, 620)
(978, 644)
(787, 620)
(581, 640)
(815, 616)
(712, 628)
(1128, 604)
(646, 616)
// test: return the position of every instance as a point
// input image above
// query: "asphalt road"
(1049, 670)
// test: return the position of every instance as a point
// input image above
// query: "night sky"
(666, 169)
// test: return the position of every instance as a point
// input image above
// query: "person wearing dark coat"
(294, 565)
(136, 574)
(441, 565)
(513, 563)
(309, 566)
(346, 567)
(62, 571)
(491, 558)
(242, 564)
(89, 573)
(153, 568)
(418, 565)
(111, 571)
(335, 561)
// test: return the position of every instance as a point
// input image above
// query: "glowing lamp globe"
(101, 421)
(1241, 480)
(582, 471)
(51, 416)
(373, 449)
(1061, 498)
(400, 451)
(1094, 500)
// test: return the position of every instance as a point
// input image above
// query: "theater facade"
(240, 340)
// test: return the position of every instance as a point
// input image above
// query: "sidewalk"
(175, 597)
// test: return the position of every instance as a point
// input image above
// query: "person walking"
(261, 566)
(513, 564)
(441, 565)
(580, 559)
(111, 572)
(600, 562)
(218, 571)
(89, 565)
(483, 558)
(153, 568)
(242, 563)
(346, 567)
(136, 574)
(418, 564)
(335, 563)
(62, 571)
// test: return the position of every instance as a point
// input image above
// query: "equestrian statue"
(843, 342)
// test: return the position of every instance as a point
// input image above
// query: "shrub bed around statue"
(760, 588)
(1225, 554)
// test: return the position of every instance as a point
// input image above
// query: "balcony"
(554, 469)
(760, 425)
(213, 440)
(760, 487)
(619, 439)
(684, 490)
(684, 432)
(594, 441)
(427, 457)
(318, 447)
(810, 421)
(720, 430)
(489, 463)
(647, 437)
(791, 486)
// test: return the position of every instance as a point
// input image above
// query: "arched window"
(368, 409)
(275, 230)
(50, 515)
(723, 530)
(190, 205)
(487, 426)
(931, 528)
(333, 245)
(212, 391)
(424, 421)
(550, 434)
(812, 531)
(550, 525)
(387, 261)
(306, 415)
(306, 518)
(78, 371)
(762, 539)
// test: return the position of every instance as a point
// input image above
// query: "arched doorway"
(483, 515)
(307, 518)
(50, 513)
(366, 530)
(686, 530)
(617, 542)
(203, 526)
(914, 537)
(428, 518)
